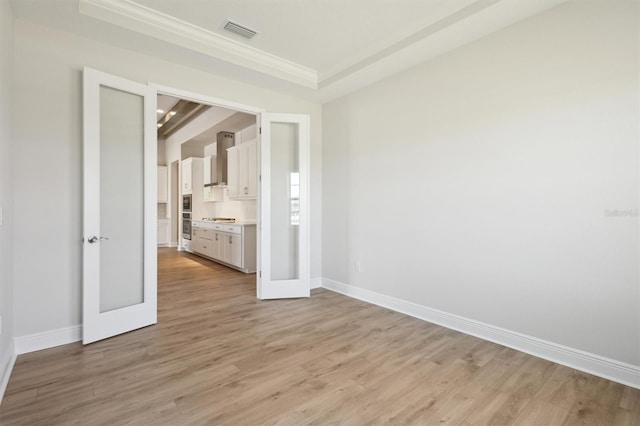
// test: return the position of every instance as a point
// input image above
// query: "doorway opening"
(210, 152)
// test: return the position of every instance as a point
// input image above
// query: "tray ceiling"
(320, 49)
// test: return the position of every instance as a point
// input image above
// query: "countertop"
(243, 223)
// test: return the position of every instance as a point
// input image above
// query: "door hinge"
(260, 130)
(260, 274)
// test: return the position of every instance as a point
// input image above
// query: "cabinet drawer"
(231, 229)
(205, 233)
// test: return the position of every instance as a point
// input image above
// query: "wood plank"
(220, 356)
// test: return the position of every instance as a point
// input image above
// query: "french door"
(283, 256)
(119, 229)
(120, 189)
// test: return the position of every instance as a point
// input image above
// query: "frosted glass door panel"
(284, 204)
(119, 221)
(121, 199)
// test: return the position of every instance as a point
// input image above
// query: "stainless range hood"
(224, 141)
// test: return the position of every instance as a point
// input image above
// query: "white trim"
(152, 23)
(607, 368)
(48, 339)
(419, 43)
(7, 368)
(204, 99)
(316, 283)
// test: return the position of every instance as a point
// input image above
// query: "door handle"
(94, 239)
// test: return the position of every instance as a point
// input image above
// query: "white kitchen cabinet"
(201, 239)
(186, 245)
(217, 246)
(242, 170)
(191, 174)
(247, 134)
(163, 232)
(232, 250)
(231, 244)
(195, 239)
(163, 184)
(232, 172)
(192, 184)
(208, 169)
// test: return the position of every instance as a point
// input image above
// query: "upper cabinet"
(242, 170)
(209, 170)
(246, 135)
(192, 176)
(187, 176)
(163, 184)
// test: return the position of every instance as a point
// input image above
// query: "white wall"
(478, 183)
(6, 184)
(48, 162)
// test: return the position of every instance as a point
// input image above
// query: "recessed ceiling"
(320, 49)
(314, 34)
(165, 103)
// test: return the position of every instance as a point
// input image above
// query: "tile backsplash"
(242, 210)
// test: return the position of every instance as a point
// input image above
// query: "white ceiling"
(315, 34)
(318, 49)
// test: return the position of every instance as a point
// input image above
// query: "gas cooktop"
(219, 219)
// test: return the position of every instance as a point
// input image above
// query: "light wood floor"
(220, 356)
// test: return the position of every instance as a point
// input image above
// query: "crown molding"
(141, 19)
(473, 21)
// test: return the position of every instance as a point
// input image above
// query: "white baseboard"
(6, 368)
(48, 339)
(607, 368)
(316, 283)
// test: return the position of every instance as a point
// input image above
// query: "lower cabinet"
(163, 232)
(231, 244)
(232, 253)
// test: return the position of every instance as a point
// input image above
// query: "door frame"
(223, 103)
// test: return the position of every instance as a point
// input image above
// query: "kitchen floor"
(220, 356)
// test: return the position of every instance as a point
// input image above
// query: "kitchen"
(207, 182)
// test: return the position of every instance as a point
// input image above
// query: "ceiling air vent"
(239, 30)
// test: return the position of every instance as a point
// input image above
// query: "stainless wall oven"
(186, 226)
(186, 203)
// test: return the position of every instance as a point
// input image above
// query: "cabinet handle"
(246, 190)
(230, 242)
(216, 237)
